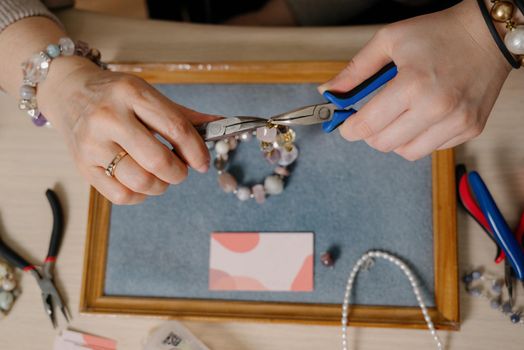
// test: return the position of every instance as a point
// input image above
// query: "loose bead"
(273, 185)
(221, 147)
(514, 40)
(515, 318)
(67, 46)
(259, 193)
(243, 193)
(53, 50)
(227, 182)
(27, 92)
(502, 11)
(327, 260)
(6, 300)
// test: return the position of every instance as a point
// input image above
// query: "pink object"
(260, 193)
(70, 340)
(261, 261)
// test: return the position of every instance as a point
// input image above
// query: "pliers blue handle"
(349, 102)
(501, 231)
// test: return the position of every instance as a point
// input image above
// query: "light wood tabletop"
(33, 159)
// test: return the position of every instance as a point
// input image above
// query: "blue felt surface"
(346, 193)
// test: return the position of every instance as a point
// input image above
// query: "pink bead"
(227, 182)
(281, 171)
(266, 134)
(232, 143)
(259, 193)
(272, 157)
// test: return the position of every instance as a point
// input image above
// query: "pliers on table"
(44, 274)
(484, 210)
(340, 106)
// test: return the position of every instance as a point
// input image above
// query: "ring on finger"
(110, 169)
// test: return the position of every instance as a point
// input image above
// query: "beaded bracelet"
(35, 71)
(276, 144)
(474, 283)
(502, 11)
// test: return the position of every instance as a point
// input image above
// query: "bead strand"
(276, 144)
(474, 287)
(35, 71)
(502, 11)
(365, 262)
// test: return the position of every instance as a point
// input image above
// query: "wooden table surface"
(33, 159)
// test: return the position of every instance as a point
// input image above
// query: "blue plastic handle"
(345, 100)
(501, 231)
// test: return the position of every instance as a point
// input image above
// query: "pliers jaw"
(50, 295)
(309, 115)
(227, 127)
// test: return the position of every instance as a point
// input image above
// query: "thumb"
(369, 60)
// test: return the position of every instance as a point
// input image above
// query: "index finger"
(378, 112)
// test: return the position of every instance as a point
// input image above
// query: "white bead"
(221, 147)
(67, 46)
(273, 185)
(288, 157)
(6, 300)
(514, 40)
(243, 193)
(8, 284)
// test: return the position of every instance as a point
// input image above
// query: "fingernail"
(322, 88)
(203, 168)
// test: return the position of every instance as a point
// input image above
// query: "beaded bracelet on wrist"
(512, 45)
(35, 71)
(277, 146)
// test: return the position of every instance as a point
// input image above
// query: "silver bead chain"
(365, 262)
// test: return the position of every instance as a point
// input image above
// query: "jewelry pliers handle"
(357, 97)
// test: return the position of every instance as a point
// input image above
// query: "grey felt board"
(348, 194)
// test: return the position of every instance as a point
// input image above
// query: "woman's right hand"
(101, 113)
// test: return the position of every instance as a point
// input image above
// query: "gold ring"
(110, 170)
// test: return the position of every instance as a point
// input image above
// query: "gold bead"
(502, 11)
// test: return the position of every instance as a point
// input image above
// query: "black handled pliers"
(44, 274)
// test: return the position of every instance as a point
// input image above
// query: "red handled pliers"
(470, 205)
(44, 274)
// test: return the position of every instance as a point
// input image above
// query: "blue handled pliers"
(502, 234)
(340, 106)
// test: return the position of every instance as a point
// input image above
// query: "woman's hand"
(100, 113)
(450, 73)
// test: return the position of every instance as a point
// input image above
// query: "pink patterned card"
(261, 261)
